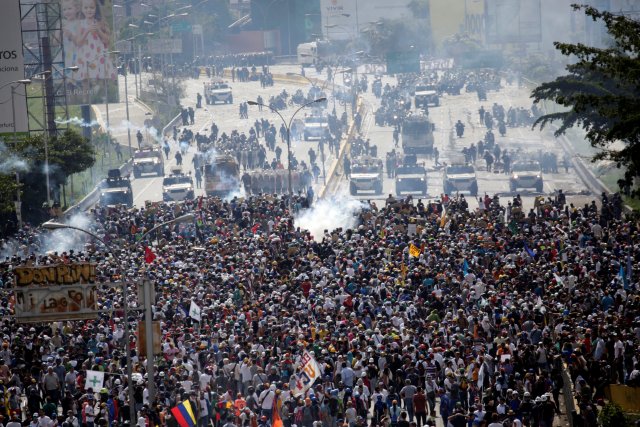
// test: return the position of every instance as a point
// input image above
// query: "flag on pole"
(308, 372)
(443, 217)
(623, 277)
(465, 267)
(403, 272)
(94, 380)
(529, 251)
(194, 312)
(559, 280)
(414, 251)
(183, 414)
(149, 256)
(276, 420)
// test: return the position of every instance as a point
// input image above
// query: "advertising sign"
(55, 292)
(87, 40)
(12, 69)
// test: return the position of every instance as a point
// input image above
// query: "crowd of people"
(414, 312)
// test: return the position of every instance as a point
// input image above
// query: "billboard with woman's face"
(87, 39)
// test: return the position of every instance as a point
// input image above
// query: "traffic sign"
(180, 27)
(403, 62)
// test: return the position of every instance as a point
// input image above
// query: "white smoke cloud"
(64, 239)
(9, 162)
(60, 240)
(328, 214)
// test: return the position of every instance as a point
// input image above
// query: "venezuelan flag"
(184, 414)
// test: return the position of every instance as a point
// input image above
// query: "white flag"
(195, 312)
(94, 380)
(309, 371)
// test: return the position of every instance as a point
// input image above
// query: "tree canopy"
(601, 94)
(69, 153)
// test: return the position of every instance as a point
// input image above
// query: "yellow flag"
(403, 271)
(443, 217)
(414, 251)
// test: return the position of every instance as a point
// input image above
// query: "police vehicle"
(526, 175)
(148, 160)
(315, 126)
(411, 177)
(366, 175)
(217, 91)
(426, 95)
(177, 186)
(460, 178)
(417, 134)
(115, 190)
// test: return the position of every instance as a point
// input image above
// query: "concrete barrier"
(332, 182)
(92, 198)
(568, 395)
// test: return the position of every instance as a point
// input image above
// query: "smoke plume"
(328, 214)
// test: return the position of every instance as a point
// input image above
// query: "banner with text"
(307, 374)
(12, 93)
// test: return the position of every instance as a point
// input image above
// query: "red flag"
(149, 256)
(255, 228)
(200, 203)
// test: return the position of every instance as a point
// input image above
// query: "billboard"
(513, 21)
(12, 69)
(55, 292)
(87, 39)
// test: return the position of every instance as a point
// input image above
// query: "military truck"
(148, 160)
(526, 175)
(417, 134)
(315, 126)
(221, 176)
(426, 95)
(411, 177)
(217, 91)
(177, 186)
(366, 175)
(460, 178)
(116, 190)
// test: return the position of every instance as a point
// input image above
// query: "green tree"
(612, 416)
(69, 153)
(601, 94)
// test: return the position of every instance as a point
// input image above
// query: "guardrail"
(567, 394)
(333, 176)
(93, 196)
(126, 169)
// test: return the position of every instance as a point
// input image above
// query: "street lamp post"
(135, 65)
(147, 310)
(288, 128)
(42, 76)
(15, 142)
(106, 92)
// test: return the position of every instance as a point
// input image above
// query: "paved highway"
(226, 117)
(465, 107)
